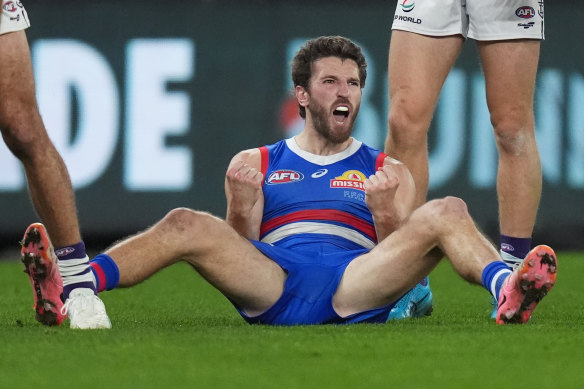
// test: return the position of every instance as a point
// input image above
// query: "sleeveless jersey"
(317, 203)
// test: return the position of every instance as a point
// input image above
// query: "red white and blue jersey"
(315, 202)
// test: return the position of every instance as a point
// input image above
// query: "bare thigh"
(394, 266)
(510, 69)
(17, 94)
(418, 66)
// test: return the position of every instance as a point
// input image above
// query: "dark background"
(240, 85)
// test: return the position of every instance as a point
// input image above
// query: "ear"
(302, 96)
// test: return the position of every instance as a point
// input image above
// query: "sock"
(494, 274)
(514, 250)
(106, 272)
(74, 269)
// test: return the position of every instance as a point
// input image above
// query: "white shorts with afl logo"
(13, 17)
(482, 20)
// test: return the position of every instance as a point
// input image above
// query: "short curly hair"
(325, 46)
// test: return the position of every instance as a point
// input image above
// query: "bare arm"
(390, 195)
(243, 189)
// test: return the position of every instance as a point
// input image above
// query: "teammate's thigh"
(390, 269)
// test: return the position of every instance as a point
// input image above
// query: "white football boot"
(85, 310)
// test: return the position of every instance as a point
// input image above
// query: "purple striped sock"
(75, 252)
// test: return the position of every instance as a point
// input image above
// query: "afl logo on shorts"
(9, 6)
(284, 177)
(525, 12)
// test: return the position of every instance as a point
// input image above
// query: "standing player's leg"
(510, 69)
(418, 66)
(49, 186)
(25, 135)
(224, 258)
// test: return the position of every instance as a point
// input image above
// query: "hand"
(380, 189)
(245, 186)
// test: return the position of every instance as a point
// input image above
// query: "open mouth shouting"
(341, 113)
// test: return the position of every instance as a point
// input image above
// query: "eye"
(354, 83)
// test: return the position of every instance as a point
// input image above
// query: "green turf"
(175, 331)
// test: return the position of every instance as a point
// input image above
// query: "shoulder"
(251, 157)
(392, 161)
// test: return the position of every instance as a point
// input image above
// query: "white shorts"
(482, 20)
(13, 17)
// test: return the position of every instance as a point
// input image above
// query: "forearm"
(243, 223)
(387, 222)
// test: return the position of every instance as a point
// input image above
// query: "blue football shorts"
(313, 279)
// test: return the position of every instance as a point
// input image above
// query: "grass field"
(175, 331)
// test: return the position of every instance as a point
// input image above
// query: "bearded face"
(333, 123)
(333, 98)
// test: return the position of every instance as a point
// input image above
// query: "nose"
(343, 89)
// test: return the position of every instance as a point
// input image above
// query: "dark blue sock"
(71, 252)
(106, 272)
(518, 247)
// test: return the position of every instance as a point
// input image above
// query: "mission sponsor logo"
(525, 12)
(353, 179)
(284, 176)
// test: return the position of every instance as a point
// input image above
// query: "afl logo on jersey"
(353, 179)
(284, 176)
(525, 12)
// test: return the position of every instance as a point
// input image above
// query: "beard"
(322, 124)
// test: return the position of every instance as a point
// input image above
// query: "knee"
(22, 130)
(514, 133)
(191, 233)
(183, 221)
(445, 213)
(407, 125)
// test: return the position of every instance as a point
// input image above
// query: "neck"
(314, 143)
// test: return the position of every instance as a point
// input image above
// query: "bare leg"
(398, 262)
(418, 66)
(225, 259)
(25, 135)
(510, 70)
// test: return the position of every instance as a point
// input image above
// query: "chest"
(291, 179)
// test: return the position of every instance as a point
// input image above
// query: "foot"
(495, 308)
(86, 311)
(527, 285)
(40, 263)
(416, 303)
